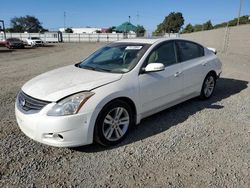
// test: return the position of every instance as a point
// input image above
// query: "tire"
(208, 86)
(113, 123)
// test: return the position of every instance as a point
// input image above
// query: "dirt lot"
(195, 144)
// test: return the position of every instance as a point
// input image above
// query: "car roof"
(140, 41)
(152, 40)
(147, 40)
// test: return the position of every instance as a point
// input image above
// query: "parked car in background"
(2, 43)
(34, 41)
(14, 43)
(100, 98)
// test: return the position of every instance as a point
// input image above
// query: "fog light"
(55, 136)
(49, 135)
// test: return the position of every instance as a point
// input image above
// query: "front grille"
(27, 103)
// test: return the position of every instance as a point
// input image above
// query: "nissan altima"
(100, 98)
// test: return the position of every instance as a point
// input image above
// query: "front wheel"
(113, 123)
(208, 86)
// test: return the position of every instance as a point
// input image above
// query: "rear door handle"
(177, 74)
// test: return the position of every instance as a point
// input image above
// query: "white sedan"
(102, 97)
(34, 41)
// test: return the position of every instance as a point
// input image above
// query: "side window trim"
(176, 52)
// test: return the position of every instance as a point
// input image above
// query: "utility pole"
(239, 14)
(129, 18)
(64, 20)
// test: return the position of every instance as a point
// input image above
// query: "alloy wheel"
(115, 124)
(209, 86)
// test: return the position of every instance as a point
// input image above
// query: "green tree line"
(208, 25)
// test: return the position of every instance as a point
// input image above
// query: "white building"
(87, 30)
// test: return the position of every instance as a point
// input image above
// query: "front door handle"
(177, 74)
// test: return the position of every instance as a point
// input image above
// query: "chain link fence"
(70, 37)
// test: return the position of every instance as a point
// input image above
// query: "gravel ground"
(194, 144)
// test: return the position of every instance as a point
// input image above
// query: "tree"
(140, 31)
(188, 29)
(171, 24)
(224, 24)
(69, 30)
(208, 25)
(243, 20)
(26, 23)
(159, 31)
(197, 27)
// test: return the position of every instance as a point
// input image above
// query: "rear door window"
(189, 50)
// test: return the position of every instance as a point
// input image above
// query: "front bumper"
(38, 43)
(62, 131)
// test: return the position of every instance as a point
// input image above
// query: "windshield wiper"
(95, 68)
(102, 69)
(87, 67)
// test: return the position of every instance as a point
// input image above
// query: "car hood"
(59, 83)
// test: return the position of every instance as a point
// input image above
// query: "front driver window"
(164, 54)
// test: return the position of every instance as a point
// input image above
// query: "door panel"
(191, 56)
(192, 71)
(160, 88)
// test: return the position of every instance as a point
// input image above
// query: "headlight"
(70, 105)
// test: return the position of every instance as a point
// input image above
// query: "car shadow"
(6, 50)
(48, 45)
(173, 116)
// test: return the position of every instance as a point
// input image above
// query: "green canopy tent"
(126, 27)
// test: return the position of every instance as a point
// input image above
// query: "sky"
(106, 13)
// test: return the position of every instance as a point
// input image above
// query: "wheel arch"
(127, 100)
(96, 137)
(104, 102)
(212, 72)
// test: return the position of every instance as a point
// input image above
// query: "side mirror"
(213, 50)
(154, 67)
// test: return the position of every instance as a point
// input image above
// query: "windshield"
(13, 39)
(35, 38)
(116, 57)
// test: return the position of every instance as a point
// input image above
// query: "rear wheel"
(208, 86)
(113, 123)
